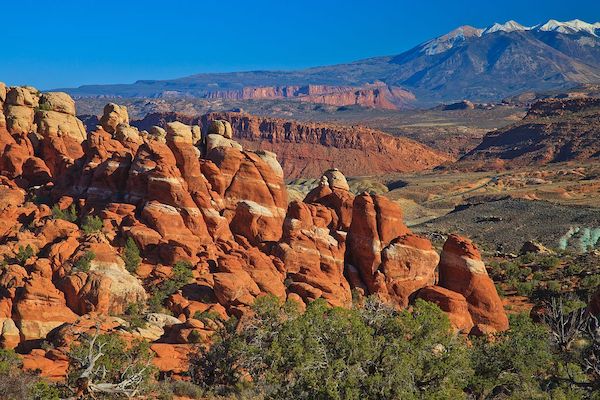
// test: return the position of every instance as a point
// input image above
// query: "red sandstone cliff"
(306, 149)
(375, 95)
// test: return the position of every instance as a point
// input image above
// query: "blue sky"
(69, 43)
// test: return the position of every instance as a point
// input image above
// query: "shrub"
(44, 391)
(194, 337)
(70, 214)
(135, 315)
(525, 288)
(23, 254)
(514, 364)
(44, 107)
(372, 352)
(9, 361)
(186, 389)
(91, 224)
(207, 316)
(590, 282)
(131, 256)
(574, 269)
(17, 385)
(182, 275)
(554, 287)
(167, 389)
(527, 258)
(515, 271)
(115, 362)
(84, 262)
(548, 262)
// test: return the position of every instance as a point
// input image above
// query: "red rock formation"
(462, 270)
(224, 210)
(383, 254)
(452, 303)
(313, 254)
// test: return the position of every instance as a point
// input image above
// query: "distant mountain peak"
(447, 41)
(460, 34)
(569, 27)
(509, 26)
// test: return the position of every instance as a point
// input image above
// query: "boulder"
(171, 358)
(59, 102)
(108, 288)
(221, 128)
(534, 247)
(336, 179)
(217, 141)
(178, 132)
(125, 133)
(46, 364)
(112, 116)
(334, 196)
(22, 96)
(244, 176)
(2, 93)
(452, 303)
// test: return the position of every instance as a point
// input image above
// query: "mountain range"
(479, 64)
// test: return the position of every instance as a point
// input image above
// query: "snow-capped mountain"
(569, 27)
(480, 64)
(449, 40)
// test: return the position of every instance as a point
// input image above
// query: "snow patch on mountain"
(569, 27)
(509, 26)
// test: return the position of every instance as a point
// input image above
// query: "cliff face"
(554, 130)
(306, 149)
(374, 96)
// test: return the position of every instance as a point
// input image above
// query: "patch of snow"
(509, 26)
(569, 27)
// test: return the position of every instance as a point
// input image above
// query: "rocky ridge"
(554, 130)
(191, 195)
(306, 149)
(377, 95)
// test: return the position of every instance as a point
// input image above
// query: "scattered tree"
(131, 255)
(92, 224)
(70, 214)
(23, 254)
(372, 352)
(107, 365)
(84, 263)
(181, 275)
(17, 385)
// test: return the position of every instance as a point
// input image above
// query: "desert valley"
(417, 226)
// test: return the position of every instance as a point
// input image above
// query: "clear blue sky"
(67, 43)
